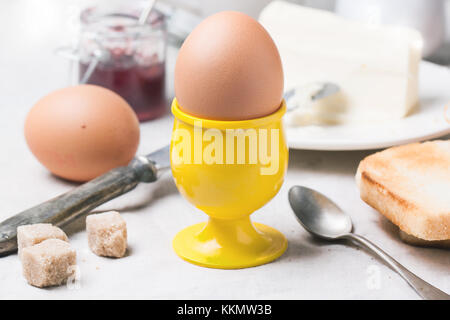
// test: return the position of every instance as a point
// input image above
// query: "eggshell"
(229, 69)
(81, 132)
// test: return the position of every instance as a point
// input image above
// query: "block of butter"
(375, 66)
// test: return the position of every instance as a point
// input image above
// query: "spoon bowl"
(318, 214)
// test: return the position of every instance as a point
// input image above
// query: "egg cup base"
(229, 244)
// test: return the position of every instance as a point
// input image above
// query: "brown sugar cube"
(31, 234)
(107, 234)
(49, 263)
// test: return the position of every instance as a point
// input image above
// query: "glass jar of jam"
(118, 53)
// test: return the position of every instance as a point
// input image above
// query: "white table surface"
(154, 213)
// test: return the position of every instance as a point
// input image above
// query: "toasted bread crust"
(392, 190)
(444, 244)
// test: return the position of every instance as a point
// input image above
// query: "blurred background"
(32, 30)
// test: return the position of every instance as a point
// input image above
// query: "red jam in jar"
(119, 54)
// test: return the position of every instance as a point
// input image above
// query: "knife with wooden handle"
(65, 208)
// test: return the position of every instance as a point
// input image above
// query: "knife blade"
(299, 96)
(64, 209)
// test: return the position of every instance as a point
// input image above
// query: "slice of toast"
(410, 185)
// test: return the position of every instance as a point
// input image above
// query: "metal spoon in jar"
(146, 12)
(99, 55)
(323, 218)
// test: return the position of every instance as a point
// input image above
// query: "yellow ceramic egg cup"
(228, 193)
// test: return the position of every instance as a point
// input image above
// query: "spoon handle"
(423, 288)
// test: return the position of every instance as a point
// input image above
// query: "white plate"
(430, 120)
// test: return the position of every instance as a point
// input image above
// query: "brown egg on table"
(229, 68)
(81, 132)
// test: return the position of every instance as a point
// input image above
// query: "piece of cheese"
(375, 66)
